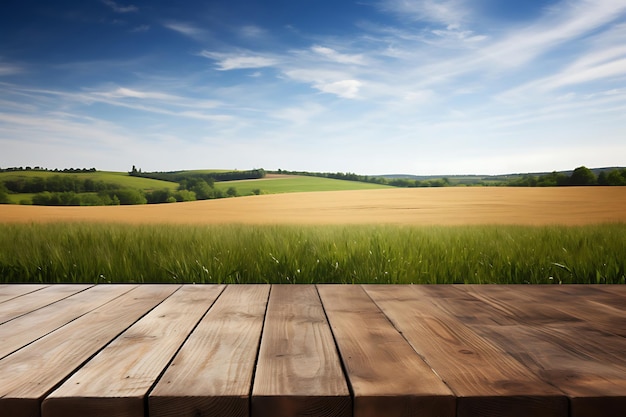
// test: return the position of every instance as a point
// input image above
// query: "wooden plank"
(486, 380)
(118, 378)
(212, 374)
(603, 314)
(587, 364)
(513, 302)
(29, 374)
(570, 309)
(11, 291)
(298, 371)
(23, 330)
(37, 299)
(388, 378)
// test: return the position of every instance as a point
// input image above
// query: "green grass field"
(104, 253)
(294, 184)
(243, 187)
(120, 178)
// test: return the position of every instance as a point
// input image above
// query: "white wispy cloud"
(343, 88)
(567, 22)
(456, 34)
(9, 69)
(186, 29)
(123, 92)
(340, 58)
(234, 61)
(299, 115)
(449, 13)
(119, 8)
(326, 80)
(154, 102)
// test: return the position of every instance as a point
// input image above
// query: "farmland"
(448, 235)
(437, 206)
(278, 184)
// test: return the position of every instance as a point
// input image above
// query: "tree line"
(581, 176)
(37, 168)
(56, 183)
(346, 176)
(209, 177)
(79, 193)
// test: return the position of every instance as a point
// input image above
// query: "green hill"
(273, 184)
(113, 179)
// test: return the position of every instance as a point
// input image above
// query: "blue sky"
(366, 86)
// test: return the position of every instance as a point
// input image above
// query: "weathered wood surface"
(212, 373)
(298, 370)
(327, 350)
(10, 291)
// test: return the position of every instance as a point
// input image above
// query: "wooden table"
(305, 350)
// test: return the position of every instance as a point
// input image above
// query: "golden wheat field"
(417, 206)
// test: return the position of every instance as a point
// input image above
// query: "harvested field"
(430, 206)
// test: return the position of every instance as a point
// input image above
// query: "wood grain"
(29, 374)
(486, 380)
(25, 329)
(37, 299)
(388, 378)
(500, 351)
(298, 371)
(212, 374)
(581, 359)
(118, 378)
(10, 291)
(591, 307)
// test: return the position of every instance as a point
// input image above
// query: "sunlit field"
(454, 235)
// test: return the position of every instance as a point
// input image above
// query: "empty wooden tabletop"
(307, 350)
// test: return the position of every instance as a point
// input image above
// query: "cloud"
(186, 29)
(335, 56)
(343, 88)
(449, 13)
(299, 115)
(570, 21)
(229, 61)
(456, 34)
(130, 93)
(139, 100)
(120, 9)
(8, 69)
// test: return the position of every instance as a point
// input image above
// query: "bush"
(4, 195)
(185, 195)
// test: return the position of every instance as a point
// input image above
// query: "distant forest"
(74, 190)
(209, 177)
(581, 176)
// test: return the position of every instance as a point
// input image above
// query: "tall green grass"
(97, 253)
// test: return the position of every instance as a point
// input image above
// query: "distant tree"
(615, 177)
(4, 194)
(128, 196)
(185, 195)
(232, 192)
(203, 190)
(159, 196)
(582, 176)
